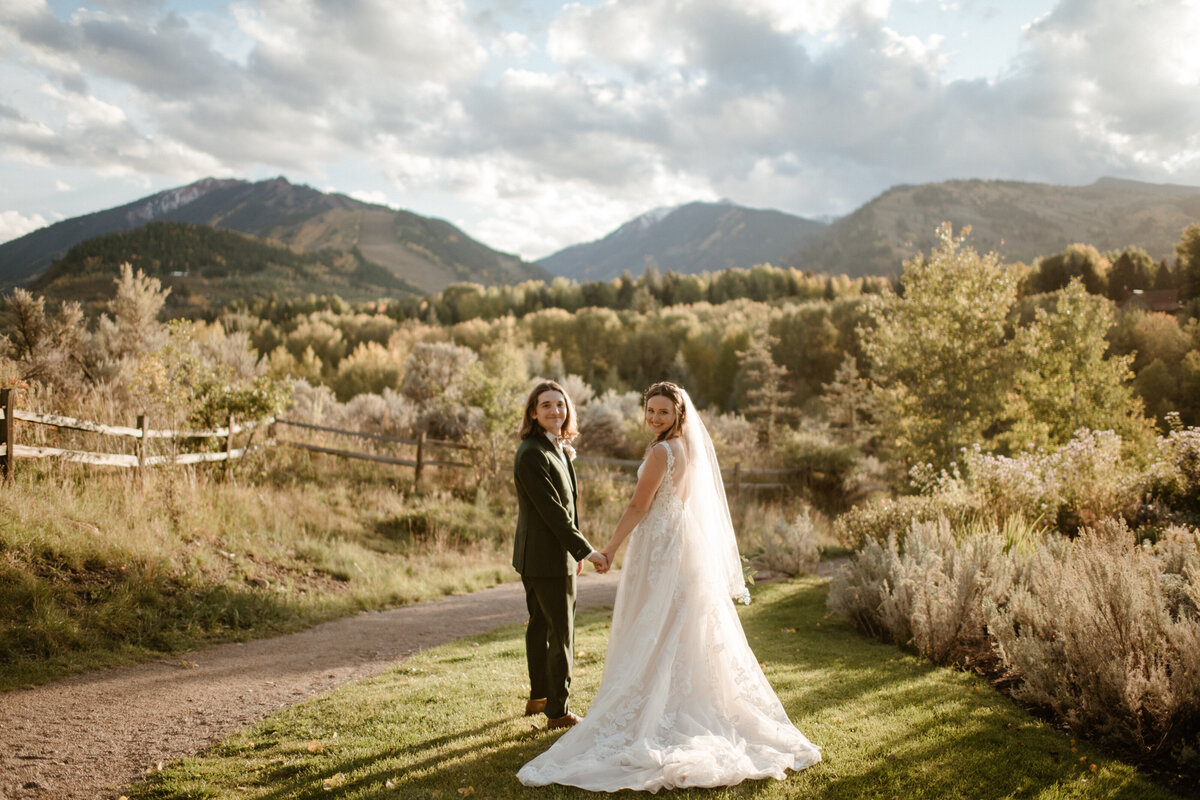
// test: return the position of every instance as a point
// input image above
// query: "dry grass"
(96, 569)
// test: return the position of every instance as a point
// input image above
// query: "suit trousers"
(550, 640)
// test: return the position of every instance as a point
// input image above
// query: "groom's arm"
(551, 505)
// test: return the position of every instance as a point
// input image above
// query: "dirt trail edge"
(84, 737)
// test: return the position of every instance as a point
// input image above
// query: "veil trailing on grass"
(705, 493)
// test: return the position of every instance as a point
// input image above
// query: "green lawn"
(447, 723)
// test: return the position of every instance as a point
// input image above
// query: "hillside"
(427, 253)
(206, 267)
(1021, 221)
(697, 237)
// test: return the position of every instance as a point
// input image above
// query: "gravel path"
(84, 737)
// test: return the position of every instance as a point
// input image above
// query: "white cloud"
(367, 196)
(14, 224)
(594, 112)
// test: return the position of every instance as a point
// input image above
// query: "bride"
(683, 702)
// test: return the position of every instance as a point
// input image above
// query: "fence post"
(420, 458)
(7, 438)
(141, 447)
(737, 479)
(229, 446)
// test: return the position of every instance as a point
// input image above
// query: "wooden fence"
(736, 477)
(418, 464)
(10, 450)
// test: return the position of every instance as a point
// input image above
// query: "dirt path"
(84, 737)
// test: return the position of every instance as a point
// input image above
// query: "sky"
(533, 125)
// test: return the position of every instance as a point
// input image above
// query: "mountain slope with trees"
(205, 268)
(1020, 221)
(690, 239)
(427, 253)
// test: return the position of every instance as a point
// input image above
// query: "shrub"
(879, 520)
(928, 593)
(822, 464)
(1092, 633)
(1088, 479)
(791, 547)
(1178, 481)
(370, 368)
(609, 424)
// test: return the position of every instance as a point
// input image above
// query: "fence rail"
(10, 450)
(376, 436)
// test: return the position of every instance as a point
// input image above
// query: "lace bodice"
(666, 506)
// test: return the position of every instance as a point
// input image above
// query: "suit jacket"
(548, 542)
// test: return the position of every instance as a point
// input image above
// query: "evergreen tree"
(1187, 252)
(766, 400)
(847, 400)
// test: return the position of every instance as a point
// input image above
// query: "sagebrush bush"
(877, 520)
(929, 591)
(1092, 633)
(790, 546)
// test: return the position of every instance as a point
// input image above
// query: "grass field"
(447, 724)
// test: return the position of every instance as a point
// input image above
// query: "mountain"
(427, 253)
(692, 238)
(1020, 221)
(207, 267)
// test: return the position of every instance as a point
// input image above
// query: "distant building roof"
(1151, 300)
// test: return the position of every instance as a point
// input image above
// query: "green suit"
(548, 547)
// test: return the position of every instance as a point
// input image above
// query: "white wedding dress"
(682, 702)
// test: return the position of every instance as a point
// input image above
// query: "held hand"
(600, 561)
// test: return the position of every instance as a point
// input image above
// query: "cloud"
(535, 128)
(14, 225)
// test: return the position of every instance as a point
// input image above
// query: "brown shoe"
(534, 707)
(566, 721)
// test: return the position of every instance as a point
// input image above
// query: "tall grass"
(97, 569)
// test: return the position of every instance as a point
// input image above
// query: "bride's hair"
(673, 393)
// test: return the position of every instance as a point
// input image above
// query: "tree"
(937, 354)
(1077, 261)
(766, 399)
(495, 385)
(847, 400)
(1187, 253)
(1132, 268)
(1065, 381)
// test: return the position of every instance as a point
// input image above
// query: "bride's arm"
(643, 495)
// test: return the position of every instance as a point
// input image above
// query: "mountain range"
(688, 239)
(426, 253)
(1020, 221)
(279, 237)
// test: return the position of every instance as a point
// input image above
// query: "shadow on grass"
(890, 725)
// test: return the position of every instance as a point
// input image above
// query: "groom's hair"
(531, 427)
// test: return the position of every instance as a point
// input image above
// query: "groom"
(549, 550)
